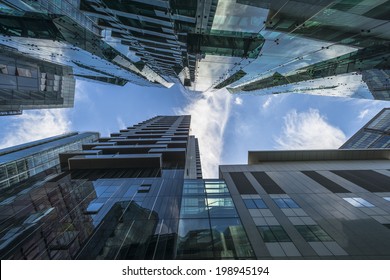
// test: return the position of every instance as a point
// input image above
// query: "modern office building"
(360, 26)
(378, 82)
(318, 204)
(206, 45)
(20, 164)
(135, 195)
(30, 83)
(54, 42)
(172, 37)
(369, 61)
(154, 43)
(138, 194)
(374, 135)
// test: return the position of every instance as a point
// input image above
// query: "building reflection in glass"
(209, 226)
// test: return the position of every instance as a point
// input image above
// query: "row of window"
(258, 203)
(289, 203)
(312, 233)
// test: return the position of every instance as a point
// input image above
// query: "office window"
(229, 239)
(24, 72)
(267, 183)
(257, 203)
(93, 208)
(194, 239)
(286, 203)
(325, 182)
(273, 234)
(358, 202)
(3, 69)
(313, 233)
(144, 188)
(242, 183)
(367, 179)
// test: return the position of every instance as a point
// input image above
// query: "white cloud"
(267, 102)
(34, 125)
(209, 115)
(363, 113)
(309, 130)
(121, 123)
(238, 101)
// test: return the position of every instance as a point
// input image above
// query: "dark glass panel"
(194, 241)
(242, 183)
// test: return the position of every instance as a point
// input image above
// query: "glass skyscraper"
(138, 194)
(19, 164)
(262, 47)
(375, 134)
(30, 83)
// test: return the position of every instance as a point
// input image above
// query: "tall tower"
(375, 134)
(116, 198)
(137, 194)
(30, 83)
(20, 165)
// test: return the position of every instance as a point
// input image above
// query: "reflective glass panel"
(250, 204)
(194, 241)
(230, 240)
(260, 203)
(273, 234)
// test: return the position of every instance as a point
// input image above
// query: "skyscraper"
(19, 164)
(45, 45)
(30, 83)
(319, 204)
(359, 26)
(375, 134)
(154, 43)
(135, 195)
(378, 81)
(206, 45)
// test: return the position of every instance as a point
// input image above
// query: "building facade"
(374, 135)
(30, 83)
(137, 194)
(244, 46)
(320, 204)
(154, 43)
(357, 29)
(19, 164)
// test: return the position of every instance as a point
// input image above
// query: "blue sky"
(226, 125)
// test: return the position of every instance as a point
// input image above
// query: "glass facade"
(358, 202)
(266, 47)
(315, 51)
(122, 197)
(209, 226)
(23, 162)
(375, 134)
(28, 83)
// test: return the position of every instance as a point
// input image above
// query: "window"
(93, 208)
(358, 202)
(144, 188)
(286, 203)
(3, 69)
(257, 203)
(23, 72)
(273, 234)
(313, 233)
